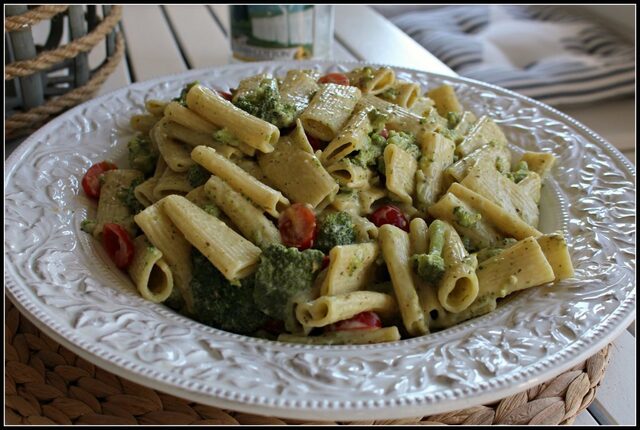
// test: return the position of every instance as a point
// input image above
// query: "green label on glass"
(272, 32)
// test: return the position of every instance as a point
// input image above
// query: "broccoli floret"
(487, 253)
(197, 175)
(335, 229)
(182, 98)
(466, 218)
(368, 155)
(282, 275)
(365, 74)
(390, 94)
(519, 173)
(220, 304)
(128, 197)
(225, 136)
(265, 103)
(88, 225)
(431, 266)
(405, 141)
(142, 155)
(502, 165)
(453, 119)
(377, 119)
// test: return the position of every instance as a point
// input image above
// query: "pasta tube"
(353, 137)
(265, 197)
(250, 220)
(348, 337)
(298, 172)
(150, 272)
(351, 268)
(111, 207)
(249, 129)
(162, 234)
(445, 99)
(185, 117)
(327, 310)
(522, 265)
(555, 249)
(395, 247)
(510, 225)
(233, 255)
(400, 170)
(329, 110)
(372, 81)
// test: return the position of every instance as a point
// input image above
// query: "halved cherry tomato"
(384, 133)
(334, 78)
(316, 143)
(297, 225)
(91, 179)
(118, 244)
(225, 95)
(389, 214)
(362, 321)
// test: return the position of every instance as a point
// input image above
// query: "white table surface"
(162, 40)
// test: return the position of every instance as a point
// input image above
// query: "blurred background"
(577, 58)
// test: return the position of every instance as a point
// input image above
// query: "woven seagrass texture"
(22, 123)
(46, 383)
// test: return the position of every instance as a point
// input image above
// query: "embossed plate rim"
(394, 408)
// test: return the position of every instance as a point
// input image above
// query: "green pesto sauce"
(265, 103)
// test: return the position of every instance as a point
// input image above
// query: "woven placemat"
(46, 383)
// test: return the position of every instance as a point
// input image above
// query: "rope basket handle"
(32, 17)
(47, 59)
(23, 123)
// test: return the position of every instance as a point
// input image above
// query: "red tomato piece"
(91, 179)
(297, 225)
(225, 95)
(118, 244)
(334, 78)
(325, 262)
(389, 214)
(362, 321)
(384, 133)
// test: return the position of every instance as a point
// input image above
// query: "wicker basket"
(42, 81)
(46, 383)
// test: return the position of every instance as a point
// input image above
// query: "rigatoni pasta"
(339, 209)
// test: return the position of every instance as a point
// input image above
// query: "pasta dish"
(349, 208)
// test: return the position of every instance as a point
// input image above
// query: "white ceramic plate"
(64, 282)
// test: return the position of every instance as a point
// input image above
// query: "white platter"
(64, 282)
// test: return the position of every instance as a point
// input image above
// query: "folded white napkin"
(543, 52)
